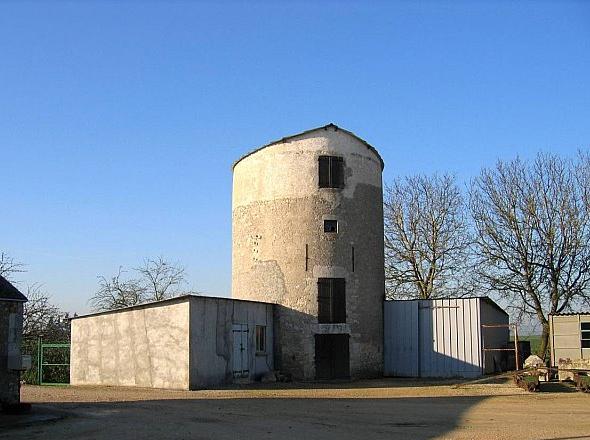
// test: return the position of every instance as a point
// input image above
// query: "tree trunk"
(542, 351)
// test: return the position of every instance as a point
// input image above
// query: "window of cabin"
(331, 226)
(585, 330)
(260, 339)
(331, 172)
(331, 301)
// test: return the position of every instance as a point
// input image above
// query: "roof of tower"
(325, 127)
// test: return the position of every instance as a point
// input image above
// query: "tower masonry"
(307, 232)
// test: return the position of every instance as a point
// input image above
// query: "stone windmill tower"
(308, 236)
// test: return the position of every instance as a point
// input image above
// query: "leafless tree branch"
(156, 280)
(9, 266)
(426, 238)
(532, 239)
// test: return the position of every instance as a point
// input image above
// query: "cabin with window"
(569, 336)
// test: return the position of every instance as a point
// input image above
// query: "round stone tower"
(308, 235)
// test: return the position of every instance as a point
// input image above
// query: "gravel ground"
(404, 409)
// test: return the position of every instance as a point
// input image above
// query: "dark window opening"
(585, 330)
(261, 339)
(331, 301)
(331, 172)
(331, 226)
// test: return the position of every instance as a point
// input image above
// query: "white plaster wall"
(145, 347)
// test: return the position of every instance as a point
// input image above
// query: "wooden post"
(483, 350)
(516, 347)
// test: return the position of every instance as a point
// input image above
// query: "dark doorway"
(331, 357)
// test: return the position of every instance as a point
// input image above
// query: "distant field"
(535, 341)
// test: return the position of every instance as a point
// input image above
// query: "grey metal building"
(188, 342)
(444, 337)
(11, 329)
(308, 235)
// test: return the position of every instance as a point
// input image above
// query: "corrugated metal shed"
(443, 337)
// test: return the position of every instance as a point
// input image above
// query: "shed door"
(401, 338)
(240, 353)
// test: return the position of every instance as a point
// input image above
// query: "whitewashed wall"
(145, 346)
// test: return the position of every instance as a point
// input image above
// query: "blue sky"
(119, 121)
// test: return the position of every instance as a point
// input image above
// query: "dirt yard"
(380, 409)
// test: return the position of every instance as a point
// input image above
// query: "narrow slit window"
(331, 226)
(260, 339)
(331, 172)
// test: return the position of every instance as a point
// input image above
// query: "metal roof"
(487, 299)
(10, 293)
(325, 127)
(164, 301)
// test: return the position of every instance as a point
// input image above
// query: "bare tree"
(161, 279)
(156, 280)
(533, 233)
(115, 292)
(9, 266)
(41, 318)
(426, 237)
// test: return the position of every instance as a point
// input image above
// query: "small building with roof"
(187, 342)
(450, 337)
(11, 330)
(569, 336)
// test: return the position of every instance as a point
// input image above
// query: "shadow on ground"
(396, 382)
(363, 418)
(557, 387)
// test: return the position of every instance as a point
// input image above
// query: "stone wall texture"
(278, 210)
(10, 340)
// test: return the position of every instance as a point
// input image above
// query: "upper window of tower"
(331, 226)
(331, 301)
(331, 172)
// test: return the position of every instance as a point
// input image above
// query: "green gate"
(53, 363)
